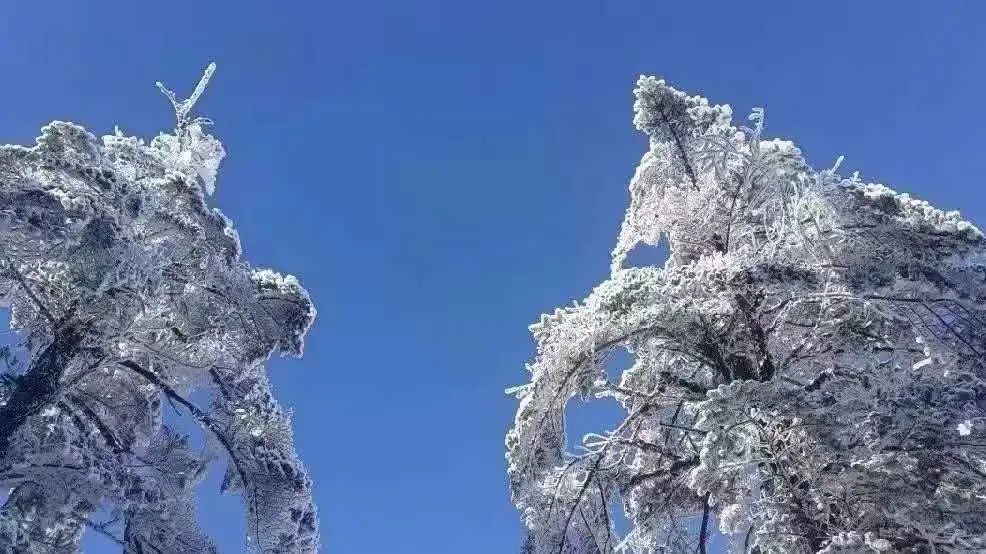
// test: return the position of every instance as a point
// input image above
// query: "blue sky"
(438, 173)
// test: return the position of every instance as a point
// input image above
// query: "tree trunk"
(39, 387)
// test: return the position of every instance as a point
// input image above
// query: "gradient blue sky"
(438, 173)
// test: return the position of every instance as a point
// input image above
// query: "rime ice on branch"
(807, 366)
(128, 291)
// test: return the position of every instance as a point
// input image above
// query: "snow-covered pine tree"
(128, 292)
(807, 365)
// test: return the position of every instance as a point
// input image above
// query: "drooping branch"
(199, 414)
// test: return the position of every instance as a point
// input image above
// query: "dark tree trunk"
(38, 388)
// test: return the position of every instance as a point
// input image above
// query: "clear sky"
(438, 173)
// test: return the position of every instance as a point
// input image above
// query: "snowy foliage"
(807, 368)
(128, 292)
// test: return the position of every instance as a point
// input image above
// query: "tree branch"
(703, 531)
(200, 415)
(681, 149)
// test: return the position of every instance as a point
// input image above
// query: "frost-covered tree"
(128, 292)
(807, 366)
